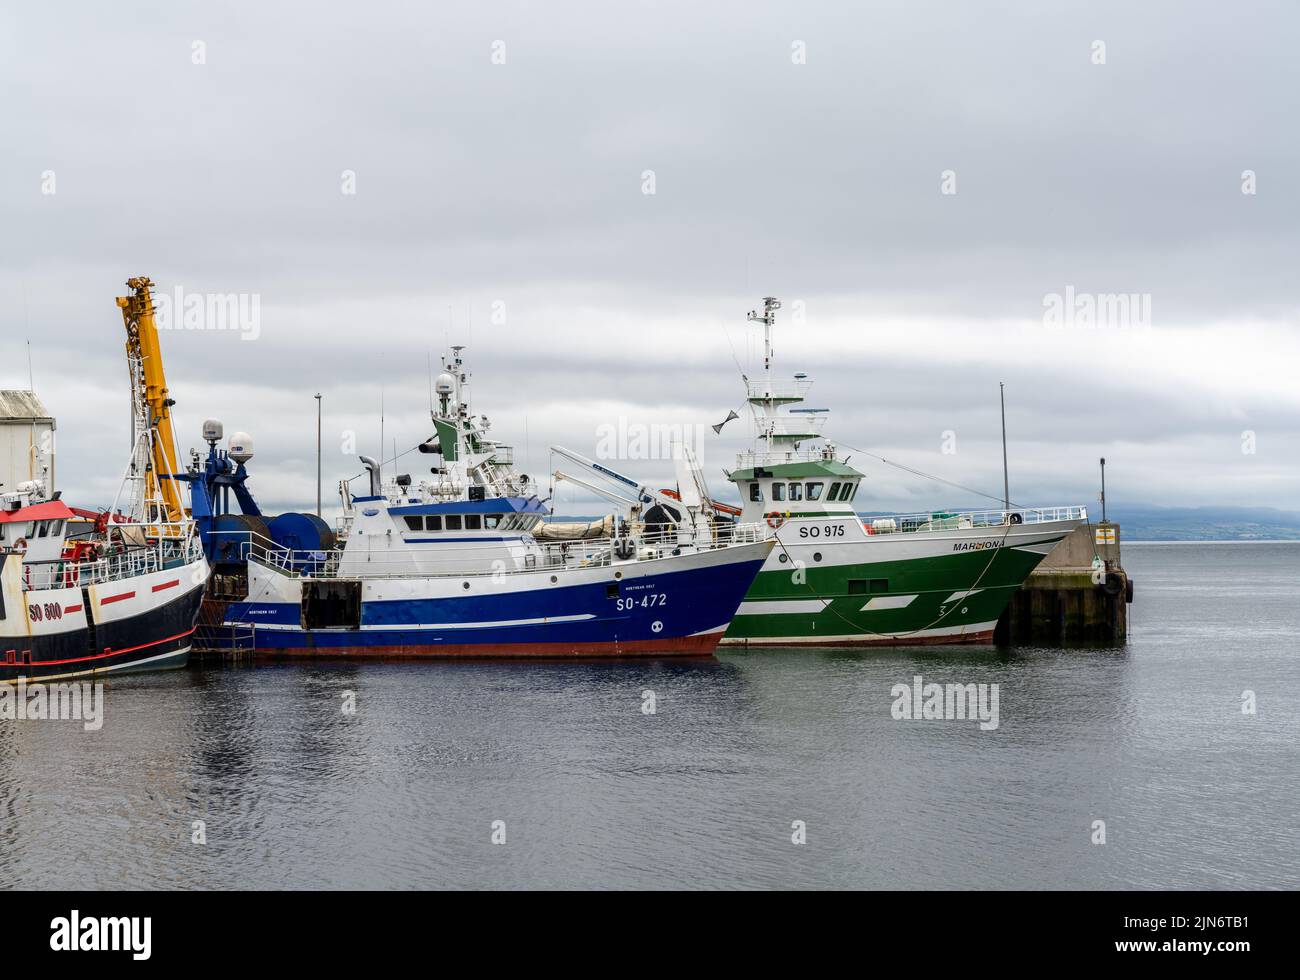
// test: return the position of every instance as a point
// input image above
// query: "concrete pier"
(1070, 597)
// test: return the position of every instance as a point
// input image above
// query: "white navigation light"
(240, 447)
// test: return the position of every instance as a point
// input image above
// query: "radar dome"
(445, 384)
(213, 431)
(240, 447)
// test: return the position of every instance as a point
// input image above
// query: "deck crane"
(156, 496)
(691, 496)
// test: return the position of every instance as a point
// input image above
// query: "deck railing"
(762, 457)
(945, 520)
(777, 390)
(469, 560)
(123, 562)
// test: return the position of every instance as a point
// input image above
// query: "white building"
(26, 441)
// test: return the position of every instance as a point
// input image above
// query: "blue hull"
(644, 611)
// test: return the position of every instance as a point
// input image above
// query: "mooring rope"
(826, 603)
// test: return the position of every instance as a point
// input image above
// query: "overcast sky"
(803, 150)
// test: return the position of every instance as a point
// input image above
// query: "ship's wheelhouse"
(807, 489)
(812, 491)
(515, 516)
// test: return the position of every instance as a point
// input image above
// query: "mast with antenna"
(768, 317)
(1006, 482)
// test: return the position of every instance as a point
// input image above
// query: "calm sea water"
(404, 793)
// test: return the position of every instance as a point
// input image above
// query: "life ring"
(774, 520)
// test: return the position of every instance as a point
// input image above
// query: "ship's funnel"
(373, 469)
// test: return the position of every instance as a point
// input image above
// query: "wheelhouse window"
(834, 492)
(815, 491)
(854, 494)
(796, 491)
(846, 491)
(452, 522)
(433, 522)
(778, 491)
(473, 522)
(756, 491)
(415, 522)
(492, 521)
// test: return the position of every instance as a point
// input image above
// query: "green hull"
(933, 587)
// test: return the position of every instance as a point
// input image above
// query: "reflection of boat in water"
(459, 565)
(86, 593)
(833, 578)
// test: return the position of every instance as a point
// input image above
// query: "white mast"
(770, 305)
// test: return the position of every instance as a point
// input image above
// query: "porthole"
(467, 585)
(817, 556)
(781, 557)
(554, 579)
(618, 574)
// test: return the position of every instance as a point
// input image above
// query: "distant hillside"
(1205, 523)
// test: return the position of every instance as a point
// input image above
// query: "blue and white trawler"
(462, 564)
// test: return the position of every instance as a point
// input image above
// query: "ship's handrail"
(469, 561)
(763, 457)
(439, 491)
(946, 520)
(127, 562)
(777, 390)
(804, 426)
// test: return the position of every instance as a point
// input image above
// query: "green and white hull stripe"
(943, 586)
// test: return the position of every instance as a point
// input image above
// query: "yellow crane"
(157, 498)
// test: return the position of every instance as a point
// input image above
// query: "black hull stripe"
(112, 653)
(150, 635)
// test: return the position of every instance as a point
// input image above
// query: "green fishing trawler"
(835, 578)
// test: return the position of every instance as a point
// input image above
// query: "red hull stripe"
(72, 609)
(115, 653)
(116, 598)
(167, 585)
(692, 646)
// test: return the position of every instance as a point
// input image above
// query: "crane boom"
(154, 439)
(691, 498)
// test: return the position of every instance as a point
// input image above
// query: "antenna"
(318, 416)
(1006, 484)
(770, 305)
(381, 438)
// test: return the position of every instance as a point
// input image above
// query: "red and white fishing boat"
(85, 592)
